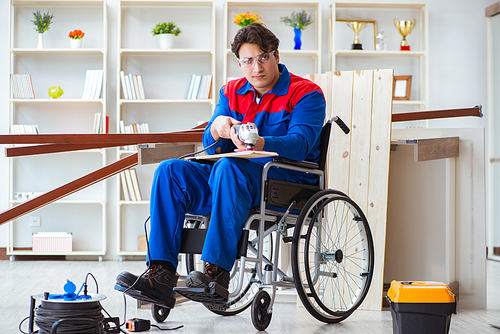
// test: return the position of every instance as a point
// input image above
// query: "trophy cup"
(404, 28)
(356, 27)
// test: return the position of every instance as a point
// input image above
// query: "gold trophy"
(405, 28)
(356, 27)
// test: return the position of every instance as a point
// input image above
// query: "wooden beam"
(435, 148)
(155, 153)
(423, 115)
(494, 160)
(68, 189)
(98, 140)
(492, 10)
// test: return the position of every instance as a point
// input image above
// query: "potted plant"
(42, 24)
(76, 39)
(299, 21)
(166, 32)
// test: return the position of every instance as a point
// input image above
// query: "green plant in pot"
(166, 32)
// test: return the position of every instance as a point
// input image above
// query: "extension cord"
(138, 325)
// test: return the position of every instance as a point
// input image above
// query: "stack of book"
(133, 128)
(93, 85)
(22, 86)
(199, 87)
(130, 185)
(101, 125)
(18, 129)
(132, 86)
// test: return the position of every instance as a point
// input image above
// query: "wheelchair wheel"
(250, 287)
(332, 256)
(260, 317)
(159, 313)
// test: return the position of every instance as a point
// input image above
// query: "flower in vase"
(76, 34)
(245, 19)
(298, 20)
(42, 21)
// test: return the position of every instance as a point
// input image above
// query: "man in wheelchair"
(289, 113)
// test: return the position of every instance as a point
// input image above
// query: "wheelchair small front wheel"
(159, 313)
(261, 318)
(332, 256)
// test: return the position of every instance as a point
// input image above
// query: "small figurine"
(381, 46)
(55, 92)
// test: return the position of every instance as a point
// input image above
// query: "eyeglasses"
(250, 61)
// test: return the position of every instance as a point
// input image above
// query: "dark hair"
(255, 33)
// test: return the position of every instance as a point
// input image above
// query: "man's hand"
(222, 126)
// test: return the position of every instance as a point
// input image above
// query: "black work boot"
(213, 273)
(155, 286)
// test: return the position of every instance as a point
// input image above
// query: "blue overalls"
(289, 117)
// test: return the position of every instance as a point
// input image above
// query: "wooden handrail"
(433, 114)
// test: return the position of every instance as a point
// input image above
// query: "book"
(190, 87)
(132, 88)
(98, 85)
(141, 87)
(97, 123)
(86, 85)
(126, 196)
(135, 183)
(22, 86)
(127, 84)
(136, 87)
(124, 86)
(196, 87)
(130, 186)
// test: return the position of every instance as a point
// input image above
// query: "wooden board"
(155, 153)
(241, 155)
(358, 163)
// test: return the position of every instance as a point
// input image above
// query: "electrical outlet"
(35, 221)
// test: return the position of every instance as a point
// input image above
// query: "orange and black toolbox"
(421, 307)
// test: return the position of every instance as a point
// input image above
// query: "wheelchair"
(332, 253)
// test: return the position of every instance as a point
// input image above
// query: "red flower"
(76, 34)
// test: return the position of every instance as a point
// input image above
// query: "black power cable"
(45, 319)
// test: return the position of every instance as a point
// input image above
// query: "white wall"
(457, 53)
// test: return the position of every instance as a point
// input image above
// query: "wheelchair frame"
(327, 271)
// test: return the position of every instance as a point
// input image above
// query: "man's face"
(263, 76)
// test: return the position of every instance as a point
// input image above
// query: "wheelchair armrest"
(305, 164)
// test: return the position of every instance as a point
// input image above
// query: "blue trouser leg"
(178, 187)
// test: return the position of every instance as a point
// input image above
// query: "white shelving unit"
(307, 60)
(414, 62)
(83, 214)
(166, 74)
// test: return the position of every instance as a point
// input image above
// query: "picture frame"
(401, 87)
(373, 22)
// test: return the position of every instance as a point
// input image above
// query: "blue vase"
(296, 39)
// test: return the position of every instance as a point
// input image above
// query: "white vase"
(166, 41)
(75, 43)
(40, 41)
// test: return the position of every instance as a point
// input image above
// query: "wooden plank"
(494, 160)
(433, 114)
(492, 10)
(360, 137)
(68, 189)
(436, 148)
(155, 153)
(338, 162)
(239, 154)
(378, 187)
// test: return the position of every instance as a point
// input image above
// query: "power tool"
(248, 134)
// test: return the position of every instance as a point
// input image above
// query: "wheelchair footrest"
(213, 296)
(142, 296)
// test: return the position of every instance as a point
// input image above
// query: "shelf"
(131, 253)
(79, 253)
(133, 202)
(143, 52)
(78, 3)
(63, 202)
(380, 5)
(160, 101)
(363, 53)
(274, 3)
(408, 103)
(291, 53)
(76, 52)
(52, 101)
(148, 3)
